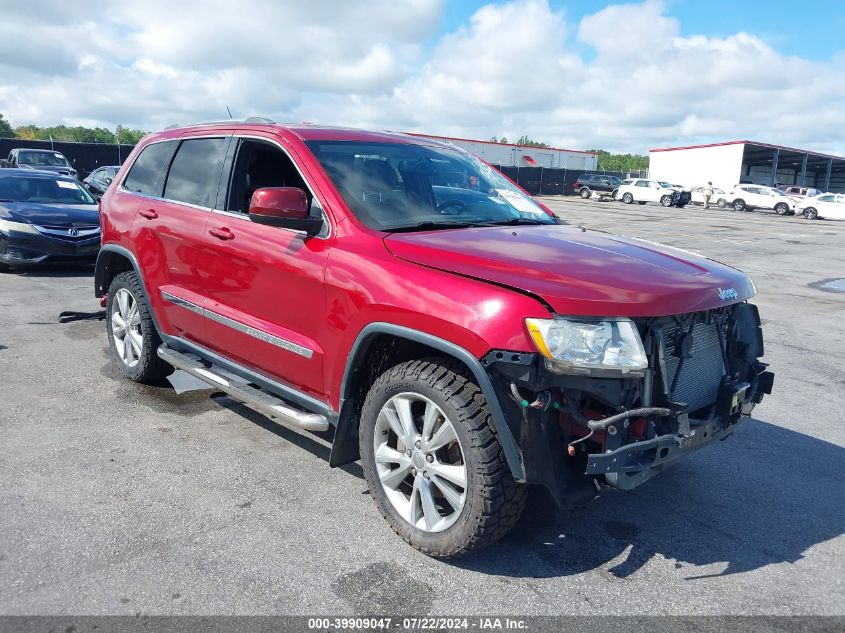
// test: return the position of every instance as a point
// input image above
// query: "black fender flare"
(346, 433)
(101, 269)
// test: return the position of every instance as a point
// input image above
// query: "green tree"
(6, 130)
(621, 162)
(527, 142)
(79, 134)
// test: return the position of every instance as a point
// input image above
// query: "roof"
(747, 142)
(473, 140)
(38, 173)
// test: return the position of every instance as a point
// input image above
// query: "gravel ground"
(117, 498)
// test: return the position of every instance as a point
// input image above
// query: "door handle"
(222, 233)
(150, 214)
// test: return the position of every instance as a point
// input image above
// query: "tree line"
(76, 134)
(606, 160)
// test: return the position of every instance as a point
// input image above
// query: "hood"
(60, 215)
(577, 272)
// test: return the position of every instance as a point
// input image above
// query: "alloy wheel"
(420, 462)
(126, 327)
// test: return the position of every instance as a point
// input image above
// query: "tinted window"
(828, 198)
(195, 171)
(147, 174)
(642, 183)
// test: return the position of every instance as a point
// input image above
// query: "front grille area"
(700, 374)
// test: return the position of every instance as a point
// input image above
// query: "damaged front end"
(627, 398)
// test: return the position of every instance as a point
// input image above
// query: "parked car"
(99, 180)
(749, 197)
(794, 191)
(45, 217)
(43, 159)
(719, 197)
(462, 342)
(588, 184)
(830, 206)
(643, 190)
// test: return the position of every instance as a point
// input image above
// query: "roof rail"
(251, 119)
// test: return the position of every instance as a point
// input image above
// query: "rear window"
(147, 173)
(195, 172)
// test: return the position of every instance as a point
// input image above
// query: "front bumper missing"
(632, 464)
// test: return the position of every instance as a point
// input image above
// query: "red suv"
(451, 332)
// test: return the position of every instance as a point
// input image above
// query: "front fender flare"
(343, 450)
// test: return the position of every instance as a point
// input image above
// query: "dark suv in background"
(586, 184)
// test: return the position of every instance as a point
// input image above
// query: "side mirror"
(283, 207)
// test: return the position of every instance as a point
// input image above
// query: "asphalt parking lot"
(117, 498)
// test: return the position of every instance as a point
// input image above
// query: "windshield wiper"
(429, 225)
(517, 221)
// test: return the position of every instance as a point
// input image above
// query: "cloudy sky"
(582, 74)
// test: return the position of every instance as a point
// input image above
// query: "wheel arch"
(395, 344)
(111, 261)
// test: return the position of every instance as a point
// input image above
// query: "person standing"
(707, 192)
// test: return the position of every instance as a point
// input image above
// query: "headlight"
(598, 347)
(19, 227)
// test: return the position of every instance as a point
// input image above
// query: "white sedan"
(719, 197)
(827, 205)
(642, 190)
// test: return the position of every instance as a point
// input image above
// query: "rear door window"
(147, 173)
(195, 171)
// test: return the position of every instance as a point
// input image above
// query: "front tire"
(133, 338)
(432, 461)
(739, 205)
(781, 208)
(722, 203)
(666, 201)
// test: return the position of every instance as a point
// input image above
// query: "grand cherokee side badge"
(727, 293)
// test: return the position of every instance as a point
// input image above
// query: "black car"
(45, 217)
(43, 159)
(586, 184)
(99, 180)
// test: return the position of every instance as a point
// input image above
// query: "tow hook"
(104, 301)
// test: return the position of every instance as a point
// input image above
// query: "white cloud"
(514, 68)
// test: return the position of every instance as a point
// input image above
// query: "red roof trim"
(475, 140)
(746, 142)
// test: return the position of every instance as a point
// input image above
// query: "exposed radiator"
(701, 374)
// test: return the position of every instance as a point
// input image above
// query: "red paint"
(473, 287)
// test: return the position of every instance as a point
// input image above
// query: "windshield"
(665, 184)
(405, 186)
(42, 190)
(42, 158)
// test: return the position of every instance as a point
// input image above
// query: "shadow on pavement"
(54, 270)
(762, 497)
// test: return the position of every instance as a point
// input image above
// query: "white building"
(727, 164)
(510, 155)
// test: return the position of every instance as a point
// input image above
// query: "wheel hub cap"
(420, 462)
(126, 327)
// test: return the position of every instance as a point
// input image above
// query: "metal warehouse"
(727, 164)
(510, 155)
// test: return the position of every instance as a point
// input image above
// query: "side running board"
(244, 391)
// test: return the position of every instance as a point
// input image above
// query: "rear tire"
(640, 202)
(811, 213)
(585, 193)
(438, 516)
(627, 198)
(133, 338)
(739, 205)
